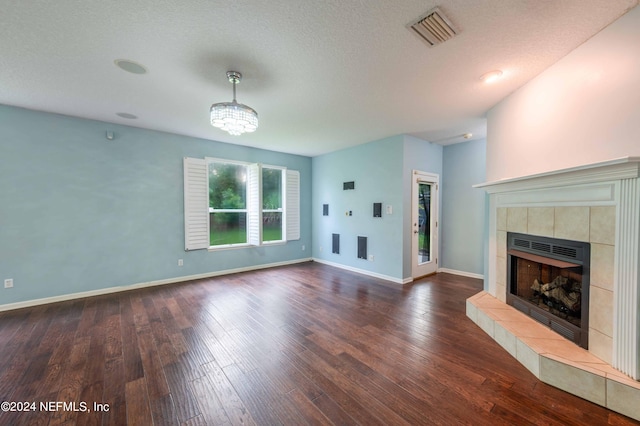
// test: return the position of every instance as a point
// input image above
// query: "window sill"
(241, 246)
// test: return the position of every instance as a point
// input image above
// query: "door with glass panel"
(424, 223)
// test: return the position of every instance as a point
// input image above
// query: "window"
(227, 203)
(272, 204)
(230, 204)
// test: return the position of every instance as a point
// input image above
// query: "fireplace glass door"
(550, 288)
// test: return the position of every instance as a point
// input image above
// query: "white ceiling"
(323, 75)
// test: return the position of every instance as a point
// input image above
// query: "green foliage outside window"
(271, 200)
(271, 189)
(227, 190)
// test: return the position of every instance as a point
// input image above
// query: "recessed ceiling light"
(130, 66)
(126, 115)
(491, 76)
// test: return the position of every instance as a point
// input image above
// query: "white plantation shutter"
(196, 204)
(292, 205)
(254, 204)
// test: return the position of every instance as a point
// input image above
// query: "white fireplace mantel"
(609, 183)
(606, 171)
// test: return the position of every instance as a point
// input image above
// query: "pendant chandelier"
(233, 117)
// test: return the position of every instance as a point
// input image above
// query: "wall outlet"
(371, 258)
(8, 283)
(180, 262)
(320, 248)
(303, 247)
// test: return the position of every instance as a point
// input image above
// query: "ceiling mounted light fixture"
(491, 76)
(233, 117)
(130, 66)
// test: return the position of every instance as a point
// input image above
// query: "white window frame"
(283, 189)
(209, 160)
(197, 217)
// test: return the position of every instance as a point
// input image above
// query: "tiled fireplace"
(598, 204)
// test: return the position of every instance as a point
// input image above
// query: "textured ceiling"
(323, 75)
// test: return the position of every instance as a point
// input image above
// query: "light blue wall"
(382, 172)
(82, 213)
(463, 207)
(79, 212)
(376, 169)
(425, 157)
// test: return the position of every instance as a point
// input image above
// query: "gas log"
(562, 294)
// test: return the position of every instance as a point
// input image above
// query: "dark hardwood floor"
(302, 344)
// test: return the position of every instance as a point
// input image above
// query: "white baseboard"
(109, 290)
(363, 272)
(461, 273)
(393, 279)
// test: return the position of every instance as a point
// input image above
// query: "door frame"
(431, 267)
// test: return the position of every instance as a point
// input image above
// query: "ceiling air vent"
(433, 27)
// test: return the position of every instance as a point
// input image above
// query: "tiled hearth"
(554, 359)
(598, 204)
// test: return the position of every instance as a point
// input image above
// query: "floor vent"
(433, 27)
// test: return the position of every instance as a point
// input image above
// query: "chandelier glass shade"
(233, 117)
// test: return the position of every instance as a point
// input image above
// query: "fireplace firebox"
(548, 279)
